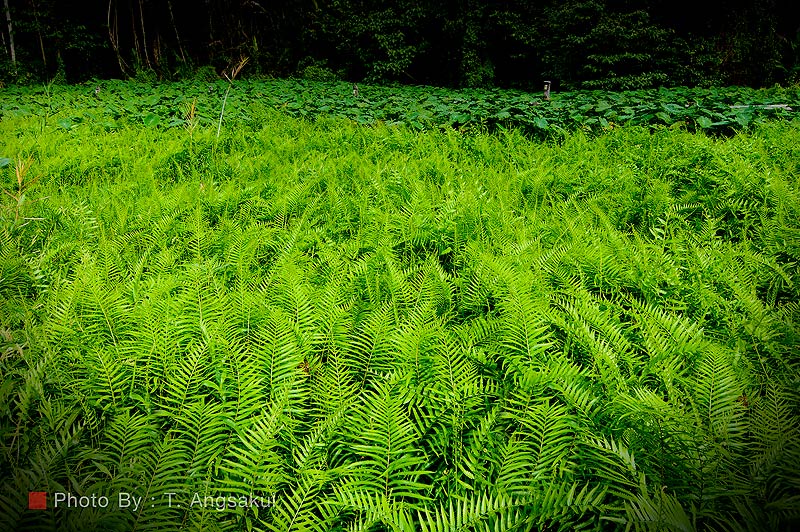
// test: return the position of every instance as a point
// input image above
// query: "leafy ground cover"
(115, 104)
(378, 328)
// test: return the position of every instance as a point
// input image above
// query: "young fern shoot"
(21, 168)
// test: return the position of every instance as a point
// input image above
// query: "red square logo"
(37, 500)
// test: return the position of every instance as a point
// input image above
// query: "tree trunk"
(210, 23)
(138, 63)
(175, 27)
(10, 35)
(144, 37)
(113, 36)
(3, 39)
(39, 34)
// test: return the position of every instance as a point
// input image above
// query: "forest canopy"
(579, 44)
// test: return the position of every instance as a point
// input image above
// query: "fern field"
(379, 329)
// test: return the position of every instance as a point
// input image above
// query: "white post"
(547, 90)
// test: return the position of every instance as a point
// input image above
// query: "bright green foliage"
(720, 110)
(379, 328)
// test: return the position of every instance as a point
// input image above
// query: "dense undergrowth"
(381, 329)
(114, 104)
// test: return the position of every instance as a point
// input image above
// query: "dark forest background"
(577, 44)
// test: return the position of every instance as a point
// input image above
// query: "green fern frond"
(370, 351)
(110, 378)
(525, 335)
(716, 392)
(201, 428)
(127, 439)
(416, 341)
(162, 473)
(184, 379)
(671, 342)
(296, 509)
(253, 462)
(569, 380)
(370, 510)
(333, 385)
(478, 512)
(275, 345)
(385, 444)
(659, 511)
(483, 440)
(613, 464)
(540, 448)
